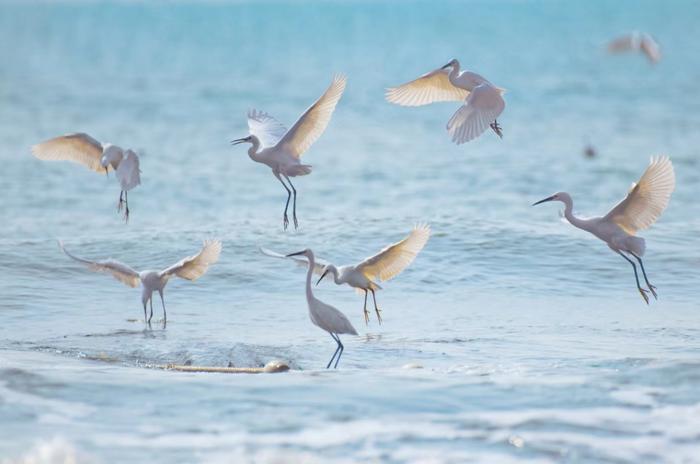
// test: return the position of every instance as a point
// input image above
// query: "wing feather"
(79, 148)
(120, 271)
(128, 172)
(432, 87)
(482, 107)
(194, 267)
(266, 128)
(393, 259)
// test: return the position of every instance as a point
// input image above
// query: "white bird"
(483, 101)
(383, 266)
(281, 149)
(644, 203)
(637, 42)
(190, 268)
(324, 315)
(83, 149)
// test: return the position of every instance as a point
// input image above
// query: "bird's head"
(326, 270)
(559, 196)
(111, 155)
(453, 62)
(248, 139)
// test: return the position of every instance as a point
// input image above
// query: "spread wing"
(79, 148)
(266, 128)
(650, 48)
(392, 260)
(318, 267)
(194, 267)
(484, 104)
(434, 86)
(120, 271)
(624, 43)
(128, 172)
(647, 199)
(314, 121)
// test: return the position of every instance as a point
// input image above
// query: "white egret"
(643, 205)
(637, 42)
(83, 149)
(383, 266)
(483, 101)
(281, 149)
(324, 315)
(190, 268)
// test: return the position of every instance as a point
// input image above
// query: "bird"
(325, 316)
(83, 149)
(383, 266)
(637, 42)
(483, 101)
(281, 149)
(190, 268)
(641, 208)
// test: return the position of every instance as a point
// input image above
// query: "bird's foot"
(366, 317)
(497, 128)
(644, 295)
(379, 316)
(126, 215)
(653, 291)
(296, 223)
(285, 221)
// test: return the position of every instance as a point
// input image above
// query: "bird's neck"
(309, 273)
(253, 150)
(454, 74)
(569, 215)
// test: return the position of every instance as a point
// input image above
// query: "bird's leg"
(636, 276)
(496, 128)
(126, 204)
(336, 351)
(376, 309)
(644, 273)
(145, 313)
(342, 348)
(165, 316)
(121, 201)
(365, 309)
(294, 204)
(289, 195)
(151, 315)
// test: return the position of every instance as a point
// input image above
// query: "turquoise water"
(534, 343)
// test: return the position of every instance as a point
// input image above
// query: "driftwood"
(271, 367)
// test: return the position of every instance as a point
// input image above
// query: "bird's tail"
(636, 245)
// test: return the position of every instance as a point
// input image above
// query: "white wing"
(266, 128)
(314, 121)
(624, 43)
(318, 267)
(650, 48)
(484, 104)
(432, 87)
(120, 271)
(128, 172)
(79, 148)
(194, 267)
(647, 199)
(392, 260)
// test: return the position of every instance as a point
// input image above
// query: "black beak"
(447, 65)
(296, 254)
(542, 201)
(106, 171)
(322, 276)
(237, 141)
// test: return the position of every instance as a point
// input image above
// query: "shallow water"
(534, 344)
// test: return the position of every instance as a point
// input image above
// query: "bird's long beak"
(447, 65)
(322, 276)
(106, 171)
(544, 200)
(295, 254)
(237, 141)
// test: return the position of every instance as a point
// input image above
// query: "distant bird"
(644, 203)
(83, 149)
(637, 42)
(190, 268)
(281, 149)
(324, 315)
(483, 101)
(383, 266)
(589, 151)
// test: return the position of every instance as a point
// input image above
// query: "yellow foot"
(366, 317)
(379, 317)
(644, 295)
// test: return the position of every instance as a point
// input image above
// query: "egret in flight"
(383, 266)
(83, 149)
(483, 101)
(644, 203)
(281, 149)
(190, 268)
(324, 315)
(637, 42)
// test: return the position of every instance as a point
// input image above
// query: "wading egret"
(483, 101)
(383, 266)
(643, 205)
(83, 149)
(190, 268)
(281, 149)
(637, 42)
(323, 315)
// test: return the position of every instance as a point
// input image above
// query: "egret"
(637, 42)
(281, 149)
(190, 268)
(324, 315)
(642, 206)
(383, 266)
(483, 101)
(83, 149)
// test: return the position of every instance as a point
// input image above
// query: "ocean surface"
(532, 341)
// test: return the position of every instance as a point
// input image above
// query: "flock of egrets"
(281, 150)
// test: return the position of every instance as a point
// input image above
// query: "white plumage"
(637, 42)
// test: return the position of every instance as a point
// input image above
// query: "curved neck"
(336, 275)
(309, 273)
(454, 73)
(253, 150)
(569, 215)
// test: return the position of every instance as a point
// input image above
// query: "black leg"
(121, 201)
(289, 195)
(126, 203)
(342, 348)
(165, 315)
(294, 204)
(376, 309)
(336, 351)
(145, 313)
(151, 316)
(636, 277)
(496, 128)
(365, 309)
(644, 273)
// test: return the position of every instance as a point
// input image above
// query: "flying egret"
(83, 149)
(190, 268)
(324, 315)
(383, 266)
(281, 149)
(643, 205)
(637, 42)
(483, 101)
